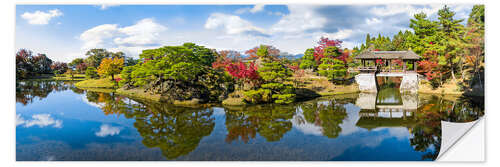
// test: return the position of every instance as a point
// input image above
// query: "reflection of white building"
(389, 107)
(386, 111)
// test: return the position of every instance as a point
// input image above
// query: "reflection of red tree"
(244, 132)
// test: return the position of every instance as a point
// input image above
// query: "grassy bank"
(97, 83)
(234, 99)
(323, 87)
(140, 94)
(448, 88)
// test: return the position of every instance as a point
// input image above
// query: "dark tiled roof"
(408, 55)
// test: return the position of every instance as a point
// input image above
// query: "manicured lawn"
(97, 83)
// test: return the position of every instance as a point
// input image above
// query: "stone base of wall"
(409, 83)
(366, 82)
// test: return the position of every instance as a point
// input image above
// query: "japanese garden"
(171, 97)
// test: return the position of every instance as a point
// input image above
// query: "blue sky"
(65, 32)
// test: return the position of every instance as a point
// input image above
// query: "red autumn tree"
(226, 57)
(293, 67)
(59, 67)
(398, 62)
(252, 53)
(243, 73)
(430, 67)
(324, 43)
(81, 67)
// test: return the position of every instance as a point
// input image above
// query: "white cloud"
(40, 120)
(107, 130)
(19, 120)
(371, 21)
(341, 34)
(299, 122)
(399, 132)
(300, 20)
(232, 24)
(275, 13)
(107, 6)
(256, 8)
(144, 32)
(129, 39)
(410, 10)
(95, 36)
(41, 18)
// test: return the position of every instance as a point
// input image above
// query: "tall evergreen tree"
(307, 61)
(275, 76)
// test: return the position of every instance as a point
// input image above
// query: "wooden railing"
(390, 70)
(367, 69)
(372, 69)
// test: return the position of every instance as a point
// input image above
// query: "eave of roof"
(405, 55)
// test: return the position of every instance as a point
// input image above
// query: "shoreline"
(51, 77)
(230, 101)
(304, 93)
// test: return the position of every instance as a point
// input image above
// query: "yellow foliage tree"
(110, 67)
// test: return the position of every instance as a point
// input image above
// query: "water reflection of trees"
(176, 131)
(327, 114)
(270, 121)
(27, 91)
(427, 131)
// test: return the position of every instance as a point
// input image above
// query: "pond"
(57, 121)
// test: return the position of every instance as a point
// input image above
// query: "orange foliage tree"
(110, 67)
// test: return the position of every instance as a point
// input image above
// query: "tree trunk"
(462, 70)
(453, 74)
(112, 77)
(440, 79)
(452, 70)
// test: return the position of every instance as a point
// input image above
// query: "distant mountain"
(298, 56)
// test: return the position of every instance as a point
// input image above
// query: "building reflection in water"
(386, 108)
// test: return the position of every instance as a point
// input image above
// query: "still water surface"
(56, 121)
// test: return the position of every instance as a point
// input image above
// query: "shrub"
(284, 98)
(258, 96)
(91, 72)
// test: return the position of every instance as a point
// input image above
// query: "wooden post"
(390, 65)
(404, 66)
(415, 65)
